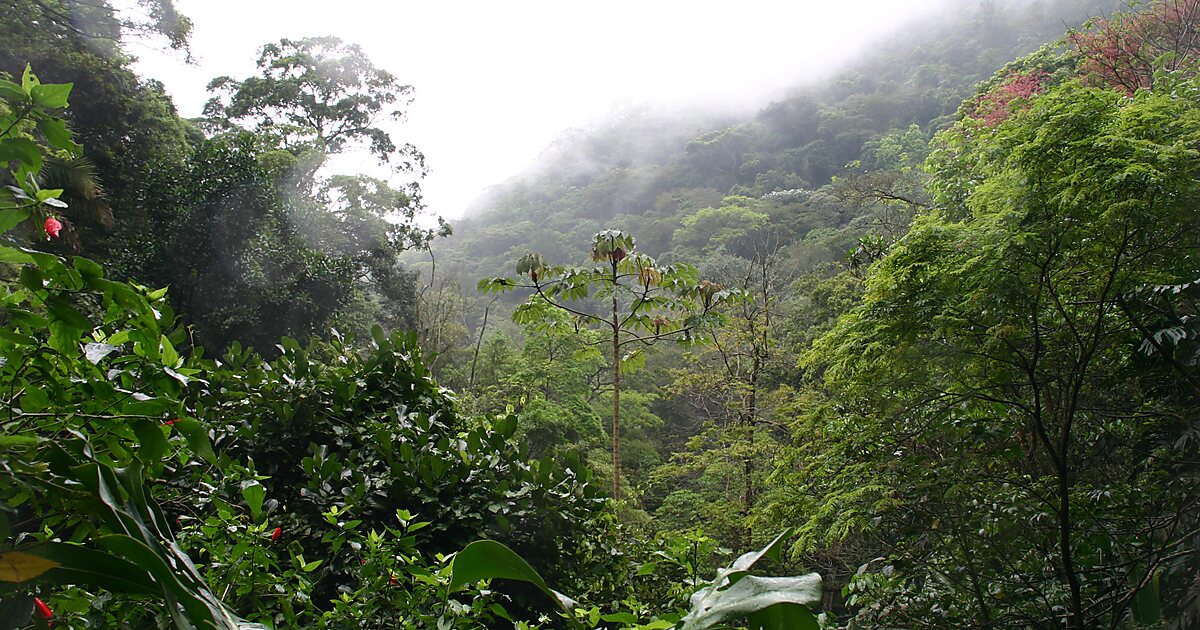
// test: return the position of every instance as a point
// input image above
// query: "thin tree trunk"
(616, 422)
(479, 341)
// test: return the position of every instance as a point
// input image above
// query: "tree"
(101, 25)
(1134, 50)
(990, 391)
(727, 379)
(315, 97)
(317, 94)
(643, 304)
(123, 123)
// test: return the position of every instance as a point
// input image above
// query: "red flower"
(53, 226)
(42, 608)
(170, 422)
(276, 534)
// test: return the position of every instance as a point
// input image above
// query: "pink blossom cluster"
(1126, 51)
(1002, 101)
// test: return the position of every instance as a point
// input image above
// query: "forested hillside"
(665, 174)
(924, 335)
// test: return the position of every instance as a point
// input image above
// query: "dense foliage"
(945, 340)
(254, 241)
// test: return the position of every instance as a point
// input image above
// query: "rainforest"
(913, 342)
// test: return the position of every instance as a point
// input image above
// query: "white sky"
(496, 82)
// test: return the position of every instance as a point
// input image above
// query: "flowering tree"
(1128, 51)
(999, 103)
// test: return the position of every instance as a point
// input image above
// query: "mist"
(496, 85)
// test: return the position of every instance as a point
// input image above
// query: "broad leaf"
(18, 566)
(489, 560)
(752, 594)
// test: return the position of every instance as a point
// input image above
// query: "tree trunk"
(616, 422)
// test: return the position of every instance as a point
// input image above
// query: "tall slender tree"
(628, 296)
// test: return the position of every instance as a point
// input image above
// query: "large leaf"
(488, 560)
(767, 603)
(18, 566)
(58, 135)
(144, 542)
(786, 616)
(751, 595)
(78, 565)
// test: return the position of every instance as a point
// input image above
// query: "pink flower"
(276, 534)
(53, 226)
(42, 608)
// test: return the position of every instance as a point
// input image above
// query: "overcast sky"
(496, 82)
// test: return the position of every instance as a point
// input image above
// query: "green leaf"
(14, 255)
(58, 135)
(785, 616)
(1145, 606)
(29, 79)
(154, 444)
(12, 218)
(752, 594)
(201, 607)
(197, 438)
(587, 353)
(21, 150)
(51, 95)
(254, 493)
(633, 361)
(494, 285)
(506, 426)
(88, 567)
(168, 355)
(772, 551)
(734, 594)
(16, 338)
(12, 91)
(17, 441)
(489, 560)
(64, 337)
(35, 400)
(61, 311)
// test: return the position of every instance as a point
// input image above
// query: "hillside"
(667, 176)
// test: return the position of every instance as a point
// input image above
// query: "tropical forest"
(910, 344)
